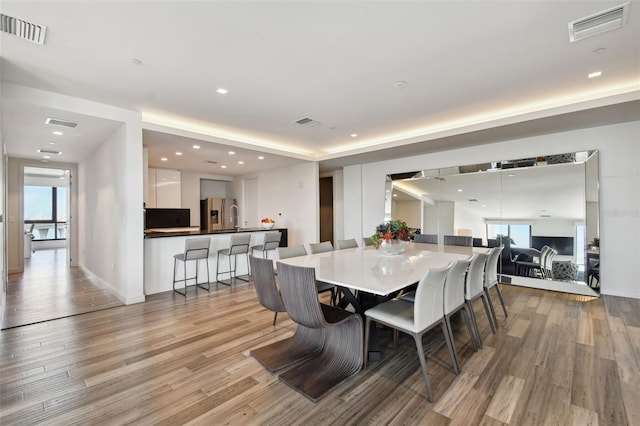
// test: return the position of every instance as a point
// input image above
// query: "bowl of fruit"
(268, 223)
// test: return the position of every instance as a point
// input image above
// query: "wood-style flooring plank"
(177, 361)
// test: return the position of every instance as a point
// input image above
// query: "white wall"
(409, 211)
(110, 220)
(290, 196)
(465, 219)
(619, 147)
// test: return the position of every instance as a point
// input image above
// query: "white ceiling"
(469, 66)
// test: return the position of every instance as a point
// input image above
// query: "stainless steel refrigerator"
(217, 214)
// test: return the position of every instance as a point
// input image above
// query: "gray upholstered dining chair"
(345, 244)
(322, 247)
(458, 240)
(415, 318)
(195, 249)
(299, 250)
(271, 242)
(342, 351)
(474, 290)
(283, 353)
(426, 238)
(491, 281)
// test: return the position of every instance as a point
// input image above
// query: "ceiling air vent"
(307, 122)
(63, 123)
(472, 200)
(598, 23)
(23, 29)
(211, 162)
(49, 151)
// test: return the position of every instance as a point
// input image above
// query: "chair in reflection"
(415, 318)
(547, 265)
(593, 272)
(458, 240)
(426, 238)
(342, 349)
(271, 242)
(345, 244)
(474, 289)
(477, 242)
(283, 353)
(195, 250)
(299, 250)
(238, 245)
(367, 241)
(491, 281)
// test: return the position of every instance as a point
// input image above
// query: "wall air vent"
(63, 123)
(307, 122)
(598, 23)
(49, 151)
(23, 29)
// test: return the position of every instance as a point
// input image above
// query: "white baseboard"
(561, 286)
(115, 292)
(622, 293)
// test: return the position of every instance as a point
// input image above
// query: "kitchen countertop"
(173, 232)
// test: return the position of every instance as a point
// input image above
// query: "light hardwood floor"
(49, 289)
(558, 359)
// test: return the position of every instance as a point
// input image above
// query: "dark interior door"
(326, 209)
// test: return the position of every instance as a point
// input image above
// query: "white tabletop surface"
(367, 269)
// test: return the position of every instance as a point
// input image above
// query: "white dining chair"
(454, 302)
(474, 290)
(195, 250)
(415, 318)
(491, 281)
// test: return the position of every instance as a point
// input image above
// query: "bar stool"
(194, 249)
(271, 242)
(239, 245)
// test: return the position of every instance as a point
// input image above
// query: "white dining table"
(369, 270)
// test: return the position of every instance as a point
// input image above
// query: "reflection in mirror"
(544, 210)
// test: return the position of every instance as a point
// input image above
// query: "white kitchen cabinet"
(164, 189)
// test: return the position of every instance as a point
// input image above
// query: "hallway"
(49, 289)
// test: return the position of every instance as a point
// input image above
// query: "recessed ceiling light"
(196, 147)
(178, 153)
(484, 205)
(232, 153)
(459, 190)
(595, 74)
(222, 91)
(395, 195)
(354, 135)
(223, 167)
(46, 157)
(163, 159)
(511, 175)
(400, 84)
(52, 143)
(240, 162)
(261, 158)
(57, 133)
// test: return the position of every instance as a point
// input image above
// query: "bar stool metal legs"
(239, 245)
(196, 249)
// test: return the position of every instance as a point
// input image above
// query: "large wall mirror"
(544, 210)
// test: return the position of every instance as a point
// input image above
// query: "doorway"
(46, 282)
(326, 209)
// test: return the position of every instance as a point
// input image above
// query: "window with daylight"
(45, 208)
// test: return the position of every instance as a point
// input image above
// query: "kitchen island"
(161, 245)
